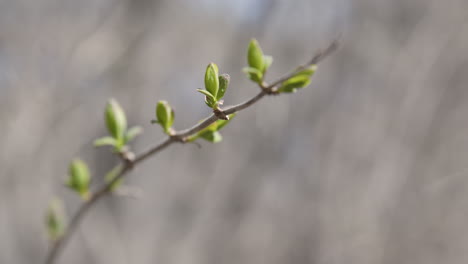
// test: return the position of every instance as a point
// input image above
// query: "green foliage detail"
(116, 120)
(210, 100)
(105, 141)
(55, 220)
(211, 79)
(111, 175)
(211, 132)
(165, 116)
(267, 61)
(299, 80)
(79, 178)
(257, 61)
(212, 136)
(253, 74)
(132, 133)
(223, 85)
(255, 56)
(215, 86)
(309, 71)
(116, 123)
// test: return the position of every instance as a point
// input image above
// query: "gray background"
(367, 165)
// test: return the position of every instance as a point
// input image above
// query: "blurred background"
(369, 164)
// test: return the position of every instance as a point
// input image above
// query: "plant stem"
(180, 136)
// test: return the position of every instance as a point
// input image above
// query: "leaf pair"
(116, 122)
(215, 85)
(299, 80)
(164, 116)
(211, 132)
(258, 63)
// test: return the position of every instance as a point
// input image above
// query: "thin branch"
(318, 57)
(180, 136)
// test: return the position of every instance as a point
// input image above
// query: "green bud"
(165, 116)
(116, 120)
(255, 56)
(211, 79)
(79, 178)
(55, 220)
(223, 85)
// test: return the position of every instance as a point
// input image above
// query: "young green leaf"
(79, 178)
(132, 133)
(223, 85)
(111, 175)
(253, 74)
(165, 116)
(293, 83)
(210, 100)
(212, 136)
(115, 120)
(309, 71)
(55, 220)
(211, 79)
(206, 93)
(267, 61)
(255, 56)
(105, 141)
(208, 133)
(299, 80)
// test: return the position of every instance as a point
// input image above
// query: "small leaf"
(105, 141)
(293, 83)
(172, 116)
(115, 120)
(253, 74)
(209, 98)
(205, 92)
(164, 115)
(267, 61)
(79, 178)
(309, 71)
(207, 132)
(110, 176)
(132, 133)
(255, 55)
(212, 136)
(55, 220)
(211, 79)
(223, 85)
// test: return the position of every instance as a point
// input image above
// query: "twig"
(180, 136)
(319, 56)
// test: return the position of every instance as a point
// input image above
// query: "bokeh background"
(367, 165)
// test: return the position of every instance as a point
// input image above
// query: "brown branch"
(180, 136)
